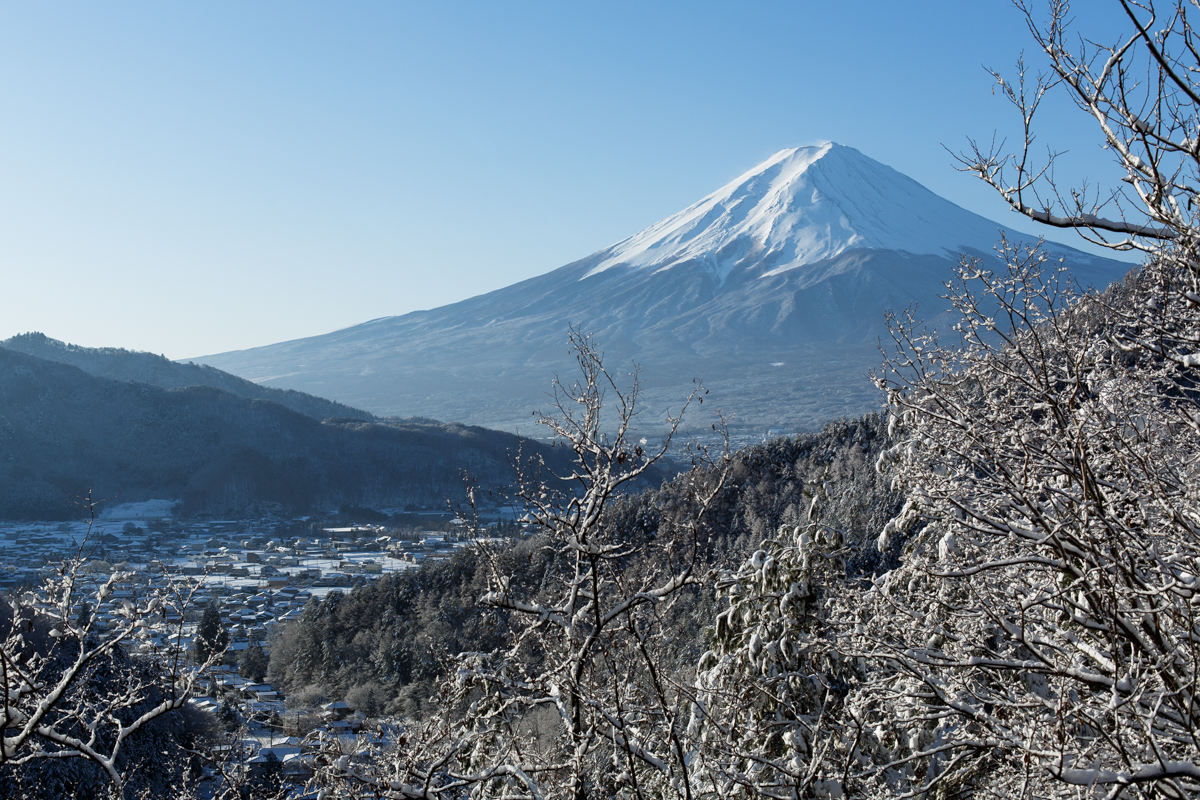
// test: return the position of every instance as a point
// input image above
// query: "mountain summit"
(803, 206)
(772, 290)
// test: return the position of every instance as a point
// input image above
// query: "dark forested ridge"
(63, 432)
(127, 365)
(380, 643)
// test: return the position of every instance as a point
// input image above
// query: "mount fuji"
(772, 289)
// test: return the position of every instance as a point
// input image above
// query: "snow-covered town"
(258, 575)
(238, 562)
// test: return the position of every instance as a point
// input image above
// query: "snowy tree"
(582, 701)
(57, 656)
(770, 690)
(1040, 634)
(1039, 637)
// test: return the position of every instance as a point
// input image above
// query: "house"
(262, 692)
(336, 710)
(203, 704)
(339, 727)
(260, 762)
(233, 681)
(297, 767)
(280, 751)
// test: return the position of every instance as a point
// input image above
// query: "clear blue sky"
(189, 178)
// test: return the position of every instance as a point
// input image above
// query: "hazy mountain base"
(380, 646)
(784, 351)
(63, 433)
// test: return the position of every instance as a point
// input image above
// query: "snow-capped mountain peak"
(774, 289)
(800, 206)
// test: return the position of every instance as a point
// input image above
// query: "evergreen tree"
(211, 636)
(269, 779)
(227, 715)
(253, 664)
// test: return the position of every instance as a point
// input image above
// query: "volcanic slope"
(772, 290)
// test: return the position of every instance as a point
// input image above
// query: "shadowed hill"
(128, 365)
(63, 431)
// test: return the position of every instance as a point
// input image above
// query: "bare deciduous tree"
(1040, 637)
(582, 701)
(1142, 93)
(54, 707)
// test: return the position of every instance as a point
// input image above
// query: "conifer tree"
(211, 636)
(253, 663)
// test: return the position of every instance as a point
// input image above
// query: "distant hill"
(772, 289)
(156, 370)
(63, 431)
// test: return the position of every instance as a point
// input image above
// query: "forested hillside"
(381, 645)
(990, 595)
(64, 432)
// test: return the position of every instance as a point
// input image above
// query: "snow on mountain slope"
(773, 290)
(802, 206)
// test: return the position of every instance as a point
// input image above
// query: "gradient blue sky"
(189, 178)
